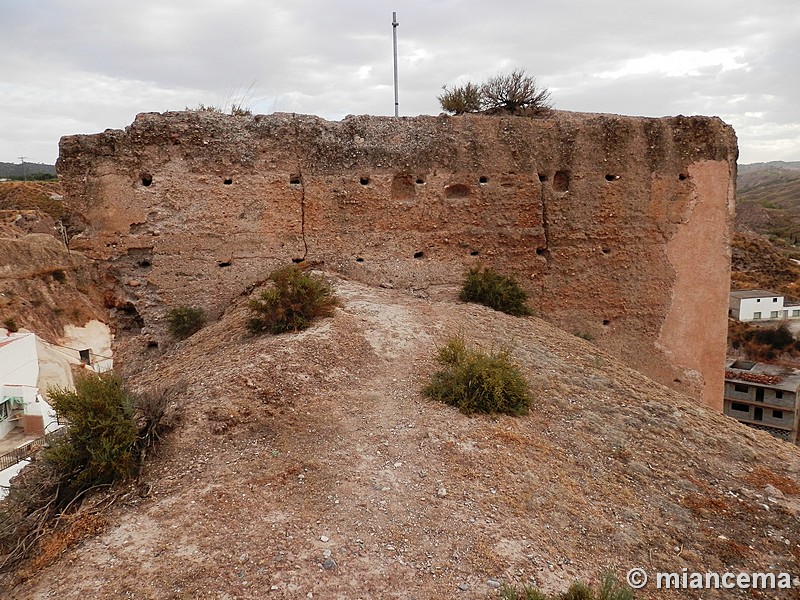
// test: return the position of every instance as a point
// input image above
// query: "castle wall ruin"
(619, 227)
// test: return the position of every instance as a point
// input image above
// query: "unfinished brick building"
(617, 226)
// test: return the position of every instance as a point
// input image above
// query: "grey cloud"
(84, 66)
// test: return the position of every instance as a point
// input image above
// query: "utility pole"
(394, 46)
(22, 162)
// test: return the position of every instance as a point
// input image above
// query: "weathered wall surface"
(618, 226)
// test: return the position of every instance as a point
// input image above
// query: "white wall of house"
(757, 309)
(19, 372)
(29, 367)
(18, 362)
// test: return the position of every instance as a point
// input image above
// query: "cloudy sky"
(82, 66)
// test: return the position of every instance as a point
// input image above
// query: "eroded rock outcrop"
(618, 226)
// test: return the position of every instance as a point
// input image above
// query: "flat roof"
(763, 375)
(754, 294)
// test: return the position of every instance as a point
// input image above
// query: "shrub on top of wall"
(485, 286)
(294, 301)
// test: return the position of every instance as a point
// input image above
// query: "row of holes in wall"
(419, 254)
(560, 181)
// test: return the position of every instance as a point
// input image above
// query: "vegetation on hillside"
(184, 321)
(294, 301)
(763, 344)
(768, 200)
(41, 196)
(484, 285)
(756, 263)
(609, 589)
(514, 92)
(26, 170)
(110, 432)
(475, 381)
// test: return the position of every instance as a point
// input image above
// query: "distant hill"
(18, 170)
(768, 199)
(773, 164)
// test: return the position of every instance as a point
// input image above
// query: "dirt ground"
(310, 466)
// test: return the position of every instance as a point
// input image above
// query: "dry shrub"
(109, 434)
(294, 301)
(478, 382)
(74, 528)
(26, 511)
(515, 91)
(156, 413)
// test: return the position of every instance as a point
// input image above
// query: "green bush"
(525, 593)
(110, 432)
(461, 99)
(11, 325)
(610, 589)
(184, 321)
(478, 382)
(99, 446)
(500, 292)
(295, 299)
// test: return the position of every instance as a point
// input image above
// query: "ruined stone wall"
(618, 226)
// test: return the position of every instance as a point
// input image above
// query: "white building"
(760, 305)
(21, 404)
(29, 366)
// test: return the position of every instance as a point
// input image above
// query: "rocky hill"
(757, 262)
(768, 199)
(45, 286)
(309, 465)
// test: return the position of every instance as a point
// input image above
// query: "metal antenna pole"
(394, 45)
(22, 162)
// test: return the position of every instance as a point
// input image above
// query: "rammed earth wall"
(618, 226)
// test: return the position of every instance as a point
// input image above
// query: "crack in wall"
(302, 187)
(545, 252)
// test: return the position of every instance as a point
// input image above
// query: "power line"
(394, 47)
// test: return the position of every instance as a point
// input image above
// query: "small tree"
(462, 99)
(514, 92)
(99, 446)
(183, 321)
